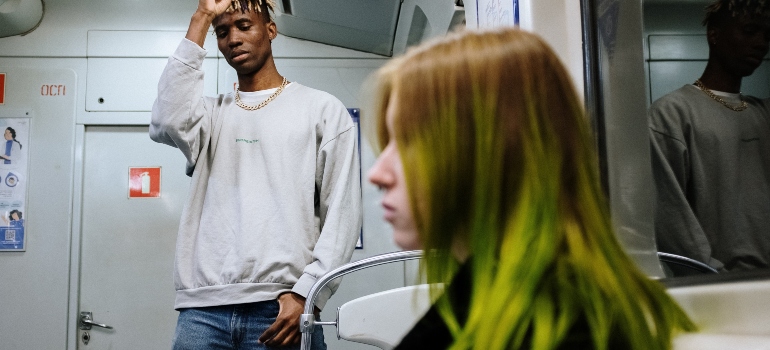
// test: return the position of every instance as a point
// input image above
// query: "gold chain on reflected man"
(708, 92)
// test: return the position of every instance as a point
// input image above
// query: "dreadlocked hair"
(718, 10)
(250, 5)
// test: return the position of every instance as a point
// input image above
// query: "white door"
(127, 244)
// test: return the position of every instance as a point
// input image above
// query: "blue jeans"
(231, 327)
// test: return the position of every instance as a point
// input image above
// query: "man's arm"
(338, 182)
(677, 228)
(203, 17)
(339, 187)
(179, 114)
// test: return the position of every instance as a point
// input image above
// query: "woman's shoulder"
(430, 332)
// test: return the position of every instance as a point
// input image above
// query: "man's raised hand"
(213, 7)
(203, 17)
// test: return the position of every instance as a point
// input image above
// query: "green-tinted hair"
(499, 161)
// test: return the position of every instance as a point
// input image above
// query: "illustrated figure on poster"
(14, 219)
(12, 234)
(11, 180)
(12, 149)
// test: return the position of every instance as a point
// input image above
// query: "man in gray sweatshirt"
(711, 149)
(275, 198)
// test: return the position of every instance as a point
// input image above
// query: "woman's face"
(15, 216)
(388, 174)
(8, 135)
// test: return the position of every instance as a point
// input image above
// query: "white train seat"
(383, 319)
(361, 320)
(732, 315)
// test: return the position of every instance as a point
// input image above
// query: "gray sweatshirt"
(275, 198)
(712, 172)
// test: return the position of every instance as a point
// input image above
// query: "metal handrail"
(688, 262)
(307, 321)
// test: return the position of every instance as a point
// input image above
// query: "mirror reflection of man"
(275, 199)
(711, 149)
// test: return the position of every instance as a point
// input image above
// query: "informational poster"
(497, 13)
(14, 151)
(355, 113)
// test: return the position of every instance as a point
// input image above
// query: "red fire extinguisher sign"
(144, 182)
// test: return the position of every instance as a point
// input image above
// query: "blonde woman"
(487, 163)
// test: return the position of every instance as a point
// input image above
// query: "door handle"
(86, 321)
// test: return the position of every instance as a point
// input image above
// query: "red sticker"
(2, 88)
(144, 182)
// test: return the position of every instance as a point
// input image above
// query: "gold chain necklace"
(265, 102)
(708, 92)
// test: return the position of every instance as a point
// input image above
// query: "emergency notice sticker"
(144, 182)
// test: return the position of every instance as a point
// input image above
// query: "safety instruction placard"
(13, 185)
(144, 182)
